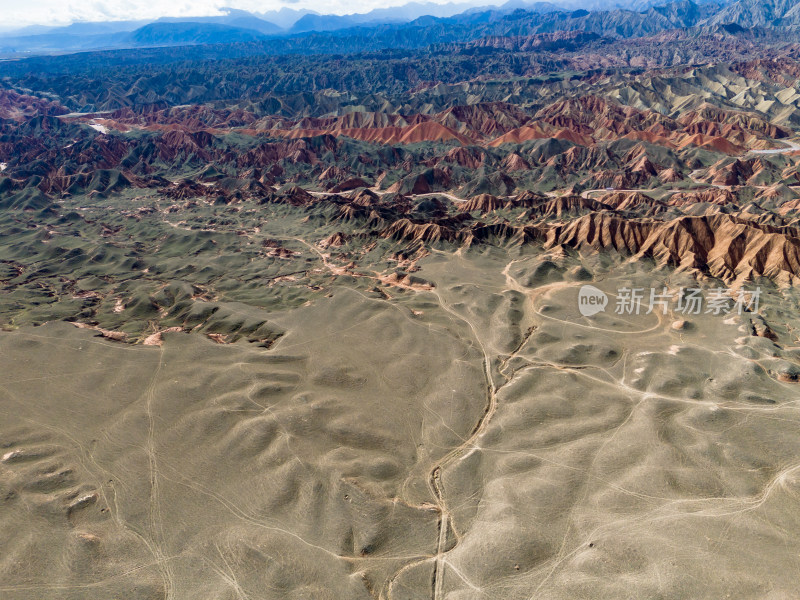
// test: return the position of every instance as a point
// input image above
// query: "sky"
(14, 13)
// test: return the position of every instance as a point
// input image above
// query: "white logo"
(591, 300)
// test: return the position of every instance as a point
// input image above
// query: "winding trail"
(470, 443)
(791, 147)
(155, 517)
(446, 519)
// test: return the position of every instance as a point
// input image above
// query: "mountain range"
(410, 25)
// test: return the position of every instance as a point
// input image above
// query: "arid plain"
(475, 436)
(299, 317)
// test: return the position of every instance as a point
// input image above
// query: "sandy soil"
(477, 439)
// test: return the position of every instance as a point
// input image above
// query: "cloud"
(52, 12)
(61, 12)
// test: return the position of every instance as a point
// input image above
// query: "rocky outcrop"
(405, 229)
(20, 107)
(723, 246)
(432, 180)
(484, 203)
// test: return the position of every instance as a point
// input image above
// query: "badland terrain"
(299, 317)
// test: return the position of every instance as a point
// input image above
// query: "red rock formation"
(483, 202)
(336, 240)
(472, 158)
(18, 107)
(565, 206)
(721, 197)
(349, 184)
(722, 245)
(404, 229)
(633, 201)
(514, 162)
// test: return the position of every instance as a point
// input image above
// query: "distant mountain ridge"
(234, 18)
(391, 28)
(167, 34)
(754, 13)
(398, 14)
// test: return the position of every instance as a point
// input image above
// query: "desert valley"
(298, 315)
